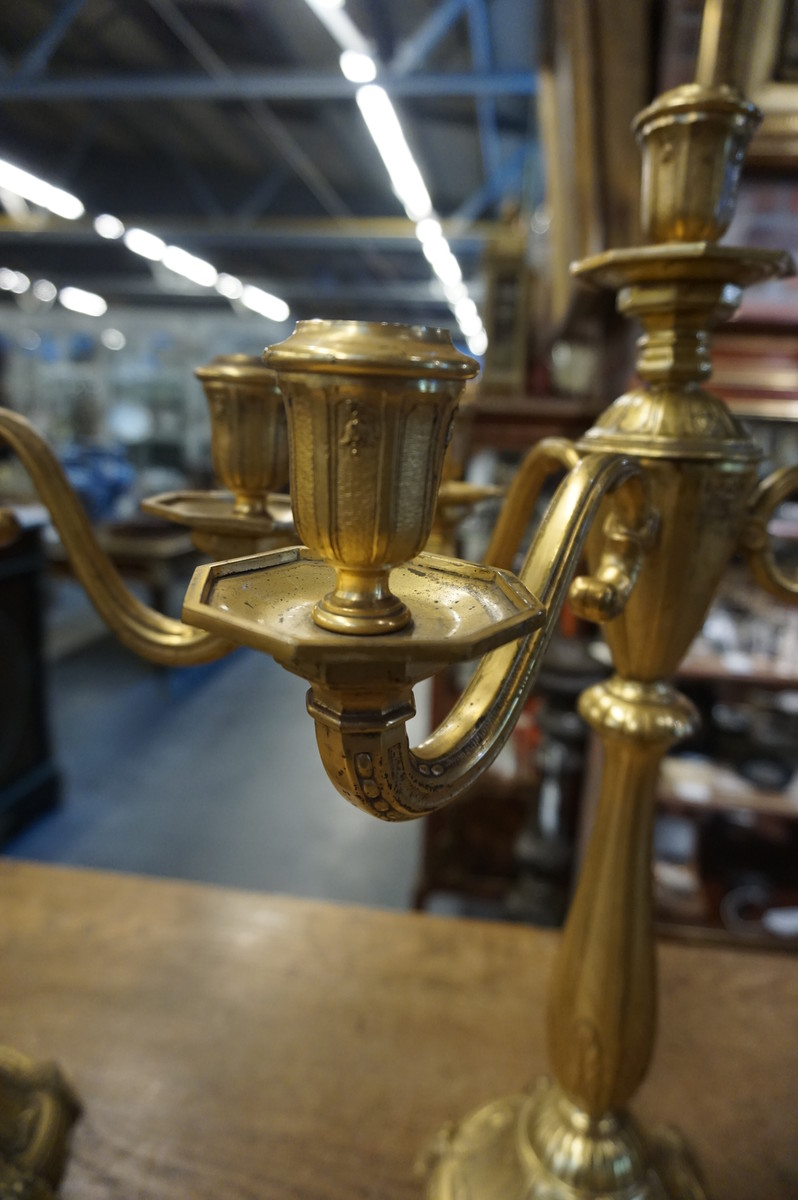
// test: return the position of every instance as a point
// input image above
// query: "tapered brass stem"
(363, 742)
(148, 633)
(602, 1007)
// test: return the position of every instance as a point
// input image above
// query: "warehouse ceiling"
(227, 127)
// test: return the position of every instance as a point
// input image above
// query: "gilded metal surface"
(541, 1147)
(460, 610)
(658, 494)
(143, 630)
(217, 526)
(693, 141)
(371, 409)
(756, 541)
(249, 438)
(457, 499)
(576, 1140)
(37, 1111)
(366, 755)
(548, 457)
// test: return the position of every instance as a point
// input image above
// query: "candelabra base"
(539, 1146)
(37, 1112)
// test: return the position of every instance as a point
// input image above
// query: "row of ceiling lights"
(76, 299)
(358, 65)
(43, 194)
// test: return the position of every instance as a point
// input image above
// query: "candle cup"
(693, 143)
(370, 409)
(249, 436)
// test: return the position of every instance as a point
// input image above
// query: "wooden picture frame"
(771, 84)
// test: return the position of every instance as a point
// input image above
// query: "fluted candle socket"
(370, 408)
(693, 142)
(249, 438)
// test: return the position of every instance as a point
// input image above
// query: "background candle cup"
(693, 142)
(249, 436)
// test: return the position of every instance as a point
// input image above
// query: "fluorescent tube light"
(189, 266)
(454, 292)
(429, 230)
(88, 303)
(148, 245)
(478, 343)
(339, 25)
(357, 67)
(108, 227)
(265, 303)
(39, 192)
(113, 339)
(229, 286)
(13, 281)
(471, 327)
(466, 310)
(44, 290)
(383, 125)
(439, 256)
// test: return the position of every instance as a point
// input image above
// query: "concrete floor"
(209, 774)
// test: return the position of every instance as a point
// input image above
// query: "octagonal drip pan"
(213, 512)
(459, 610)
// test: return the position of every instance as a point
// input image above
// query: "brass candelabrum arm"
(143, 630)
(756, 541)
(546, 458)
(361, 732)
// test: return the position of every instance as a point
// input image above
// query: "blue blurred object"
(100, 475)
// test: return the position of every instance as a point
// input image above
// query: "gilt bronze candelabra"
(656, 497)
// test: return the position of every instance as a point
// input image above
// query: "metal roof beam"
(479, 32)
(262, 196)
(414, 50)
(221, 76)
(42, 50)
(260, 85)
(302, 289)
(508, 175)
(388, 233)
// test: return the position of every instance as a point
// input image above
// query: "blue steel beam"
(262, 195)
(40, 53)
(348, 233)
(479, 31)
(271, 126)
(507, 176)
(414, 50)
(259, 85)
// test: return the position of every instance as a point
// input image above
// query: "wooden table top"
(231, 1046)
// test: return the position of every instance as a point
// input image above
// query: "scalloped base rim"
(491, 1155)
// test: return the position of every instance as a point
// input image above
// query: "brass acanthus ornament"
(657, 496)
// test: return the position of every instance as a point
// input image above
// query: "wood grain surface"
(231, 1046)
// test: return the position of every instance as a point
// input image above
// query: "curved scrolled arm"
(756, 542)
(547, 457)
(364, 745)
(148, 633)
